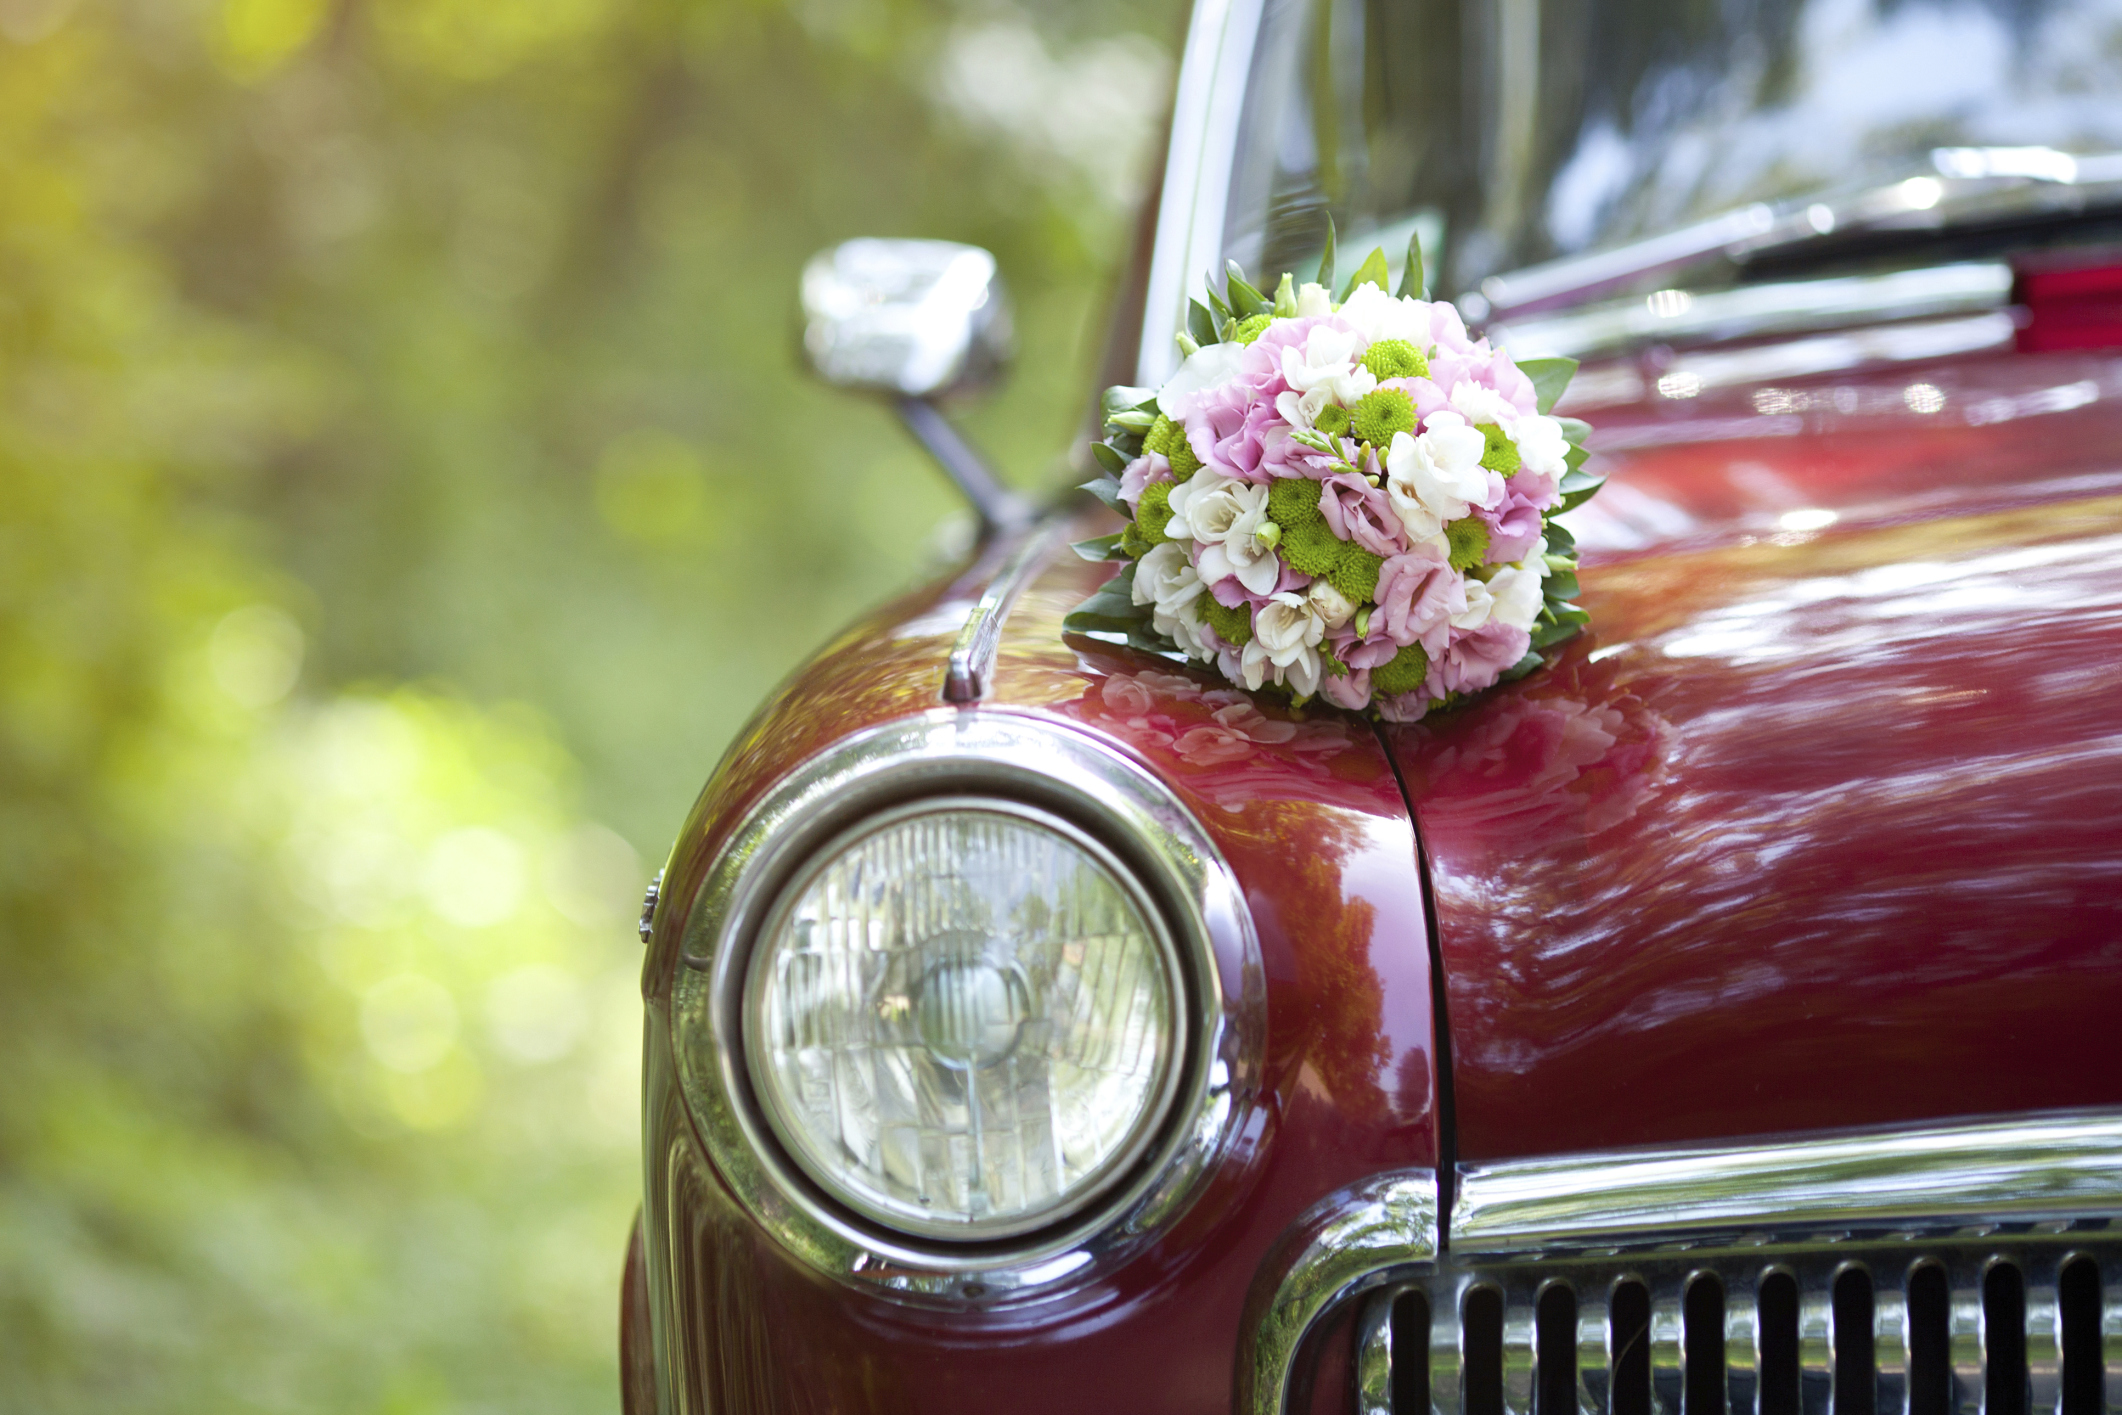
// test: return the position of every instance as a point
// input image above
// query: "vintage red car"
(1726, 1016)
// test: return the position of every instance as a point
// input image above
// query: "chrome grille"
(1996, 1320)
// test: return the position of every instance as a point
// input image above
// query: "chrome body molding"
(1353, 1240)
(1197, 173)
(1755, 311)
(971, 666)
(2036, 1168)
(1009, 757)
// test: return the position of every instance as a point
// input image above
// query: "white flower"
(1327, 360)
(1226, 517)
(1286, 634)
(1379, 316)
(1483, 405)
(1167, 582)
(1302, 410)
(1330, 604)
(1205, 369)
(1479, 605)
(1437, 477)
(1313, 300)
(1541, 445)
(1516, 592)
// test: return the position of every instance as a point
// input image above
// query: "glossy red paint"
(1822, 825)
(2071, 307)
(1311, 817)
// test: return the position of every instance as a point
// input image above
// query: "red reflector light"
(2071, 309)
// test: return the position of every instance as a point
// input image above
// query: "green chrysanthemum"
(1159, 436)
(1383, 412)
(1248, 329)
(1181, 455)
(1332, 420)
(1469, 542)
(1407, 672)
(1153, 512)
(1500, 455)
(1395, 358)
(1356, 576)
(1233, 625)
(1132, 543)
(1293, 502)
(1312, 549)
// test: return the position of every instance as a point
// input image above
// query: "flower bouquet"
(1343, 497)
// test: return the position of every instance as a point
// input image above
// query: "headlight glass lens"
(963, 1021)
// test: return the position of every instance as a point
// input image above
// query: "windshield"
(1520, 131)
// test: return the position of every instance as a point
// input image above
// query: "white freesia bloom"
(1483, 405)
(1165, 579)
(1301, 410)
(1380, 316)
(1286, 634)
(1330, 604)
(1436, 477)
(1541, 445)
(1226, 517)
(1327, 360)
(1205, 369)
(1516, 592)
(1313, 300)
(1479, 605)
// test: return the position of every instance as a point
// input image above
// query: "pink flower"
(1357, 511)
(1514, 519)
(1418, 593)
(1362, 653)
(1350, 690)
(1143, 472)
(1478, 658)
(1232, 734)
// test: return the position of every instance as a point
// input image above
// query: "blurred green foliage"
(405, 489)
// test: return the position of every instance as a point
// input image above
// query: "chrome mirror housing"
(912, 318)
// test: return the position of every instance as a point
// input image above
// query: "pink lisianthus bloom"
(1357, 511)
(1406, 707)
(1361, 653)
(1447, 330)
(1418, 593)
(1478, 657)
(1350, 690)
(1513, 520)
(1145, 471)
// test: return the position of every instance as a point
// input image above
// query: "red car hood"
(1821, 825)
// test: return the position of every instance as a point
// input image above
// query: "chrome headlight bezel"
(1012, 761)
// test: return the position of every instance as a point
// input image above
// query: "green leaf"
(1101, 548)
(1201, 324)
(1575, 429)
(1550, 377)
(1121, 399)
(1555, 625)
(1519, 669)
(1372, 271)
(1413, 281)
(1560, 586)
(1220, 312)
(1112, 609)
(1107, 490)
(1108, 457)
(1577, 488)
(1559, 540)
(1326, 258)
(1245, 301)
(1576, 457)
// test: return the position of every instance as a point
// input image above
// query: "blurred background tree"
(406, 487)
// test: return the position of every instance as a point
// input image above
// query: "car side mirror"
(915, 321)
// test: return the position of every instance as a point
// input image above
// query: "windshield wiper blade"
(1972, 186)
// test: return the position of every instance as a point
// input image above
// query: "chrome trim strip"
(1197, 171)
(1753, 311)
(949, 751)
(1353, 1240)
(971, 668)
(2065, 1165)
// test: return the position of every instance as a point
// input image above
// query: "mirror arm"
(999, 509)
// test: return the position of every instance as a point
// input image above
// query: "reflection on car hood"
(1822, 824)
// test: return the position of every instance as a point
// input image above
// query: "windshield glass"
(1519, 131)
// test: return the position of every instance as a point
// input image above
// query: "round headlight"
(964, 1019)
